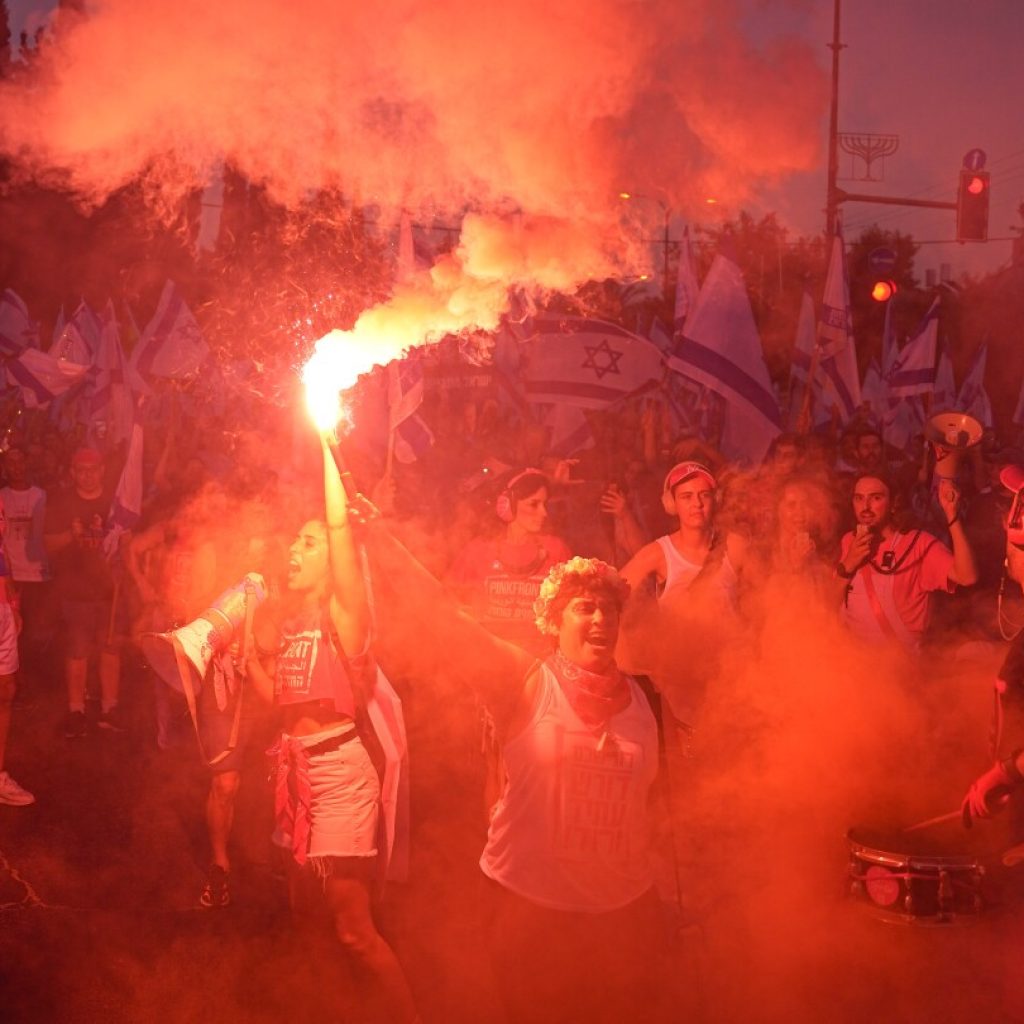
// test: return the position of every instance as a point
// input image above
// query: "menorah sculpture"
(870, 147)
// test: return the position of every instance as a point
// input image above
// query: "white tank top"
(679, 570)
(570, 830)
(680, 573)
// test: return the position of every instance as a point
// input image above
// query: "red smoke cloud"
(549, 108)
(543, 110)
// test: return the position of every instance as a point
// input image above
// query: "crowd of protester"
(480, 530)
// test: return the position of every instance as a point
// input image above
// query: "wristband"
(843, 573)
(1009, 766)
(953, 521)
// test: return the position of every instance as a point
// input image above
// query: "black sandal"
(215, 893)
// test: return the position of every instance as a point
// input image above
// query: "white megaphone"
(1012, 478)
(181, 656)
(951, 434)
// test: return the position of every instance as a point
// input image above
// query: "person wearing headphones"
(499, 577)
(695, 575)
(692, 552)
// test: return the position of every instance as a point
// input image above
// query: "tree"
(5, 38)
(909, 303)
(777, 269)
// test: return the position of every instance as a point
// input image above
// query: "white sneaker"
(13, 794)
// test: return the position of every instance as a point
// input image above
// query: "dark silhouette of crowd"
(906, 559)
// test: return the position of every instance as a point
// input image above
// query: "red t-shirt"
(310, 667)
(500, 581)
(921, 564)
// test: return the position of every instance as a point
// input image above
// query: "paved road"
(99, 883)
(99, 922)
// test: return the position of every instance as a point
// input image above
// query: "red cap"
(87, 457)
(683, 471)
(1012, 478)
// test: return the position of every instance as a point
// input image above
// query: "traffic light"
(883, 291)
(972, 206)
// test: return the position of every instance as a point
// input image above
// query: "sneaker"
(112, 720)
(75, 725)
(13, 794)
(215, 893)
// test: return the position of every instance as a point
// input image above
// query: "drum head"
(900, 844)
(949, 844)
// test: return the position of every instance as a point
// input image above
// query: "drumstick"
(937, 820)
(1014, 855)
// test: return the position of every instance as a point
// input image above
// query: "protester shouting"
(313, 662)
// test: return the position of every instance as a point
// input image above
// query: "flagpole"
(389, 459)
(786, 405)
(803, 423)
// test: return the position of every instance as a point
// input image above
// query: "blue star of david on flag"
(602, 359)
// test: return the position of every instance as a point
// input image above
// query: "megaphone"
(181, 656)
(1012, 478)
(951, 434)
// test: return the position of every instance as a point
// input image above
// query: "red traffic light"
(972, 201)
(883, 291)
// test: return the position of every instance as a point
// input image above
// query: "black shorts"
(215, 727)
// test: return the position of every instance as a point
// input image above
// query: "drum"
(910, 878)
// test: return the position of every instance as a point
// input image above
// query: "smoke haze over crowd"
(528, 109)
(550, 110)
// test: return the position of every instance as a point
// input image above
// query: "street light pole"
(831, 192)
(666, 239)
(666, 242)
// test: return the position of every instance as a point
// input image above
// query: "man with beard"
(888, 575)
(869, 451)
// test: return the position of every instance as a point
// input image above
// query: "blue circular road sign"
(975, 159)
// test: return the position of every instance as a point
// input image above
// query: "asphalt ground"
(99, 919)
(100, 879)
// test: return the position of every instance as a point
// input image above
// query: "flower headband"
(588, 571)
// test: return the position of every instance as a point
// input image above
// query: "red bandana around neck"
(595, 697)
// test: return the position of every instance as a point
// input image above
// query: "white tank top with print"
(570, 830)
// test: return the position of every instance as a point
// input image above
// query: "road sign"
(882, 260)
(975, 159)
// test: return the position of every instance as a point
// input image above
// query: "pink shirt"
(309, 668)
(922, 564)
(500, 581)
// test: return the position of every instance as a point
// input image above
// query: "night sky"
(944, 75)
